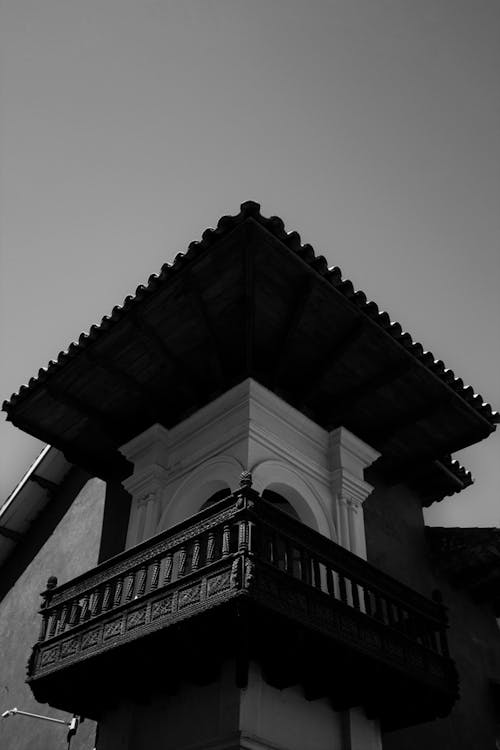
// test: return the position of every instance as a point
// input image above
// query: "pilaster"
(349, 457)
(149, 452)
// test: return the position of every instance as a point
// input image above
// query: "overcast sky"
(370, 126)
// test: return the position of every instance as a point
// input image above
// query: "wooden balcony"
(243, 581)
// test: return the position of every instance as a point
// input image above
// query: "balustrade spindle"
(226, 538)
(155, 575)
(118, 592)
(316, 574)
(168, 569)
(53, 623)
(355, 595)
(305, 570)
(43, 627)
(141, 582)
(85, 608)
(342, 589)
(242, 536)
(62, 621)
(329, 581)
(210, 547)
(273, 549)
(289, 558)
(196, 554)
(182, 561)
(106, 599)
(368, 602)
(74, 615)
(96, 602)
(391, 619)
(130, 586)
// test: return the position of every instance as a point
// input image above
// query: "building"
(232, 506)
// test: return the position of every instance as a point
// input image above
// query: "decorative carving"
(162, 607)
(112, 629)
(218, 556)
(69, 647)
(249, 572)
(219, 583)
(245, 479)
(189, 596)
(136, 618)
(235, 573)
(91, 638)
(49, 656)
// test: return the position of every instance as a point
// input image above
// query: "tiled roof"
(333, 276)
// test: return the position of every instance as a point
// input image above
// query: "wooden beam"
(185, 378)
(127, 380)
(298, 308)
(46, 484)
(249, 283)
(390, 428)
(192, 289)
(350, 398)
(14, 536)
(104, 422)
(339, 349)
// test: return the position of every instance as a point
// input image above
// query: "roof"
(470, 558)
(29, 498)
(249, 300)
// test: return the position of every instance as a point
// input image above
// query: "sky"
(372, 127)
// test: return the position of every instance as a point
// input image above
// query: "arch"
(212, 475)
(280, 477)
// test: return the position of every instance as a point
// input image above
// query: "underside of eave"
(238, 336)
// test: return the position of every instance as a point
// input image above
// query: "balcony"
(243, 581)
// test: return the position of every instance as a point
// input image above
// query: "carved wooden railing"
(241, 547)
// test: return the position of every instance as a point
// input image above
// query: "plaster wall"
(222, 716)
(71, 549)
(396, 543)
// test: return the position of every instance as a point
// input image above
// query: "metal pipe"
(15, 711)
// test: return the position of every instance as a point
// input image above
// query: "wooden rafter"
(340, 347)
(153, 340)
(347, 400)
(14, 536)
(249, 283)
(44, 483)
(129, 382)
(192, 289)
(389, 429)
(104, 422)
(299, 306)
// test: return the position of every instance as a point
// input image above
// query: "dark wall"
(396, 543)
(63, 545)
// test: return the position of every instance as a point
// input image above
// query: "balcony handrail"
(147, 549)
(355, 568)
(244, 557)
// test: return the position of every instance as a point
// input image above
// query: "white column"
(359, 732)
(149, 452)
(349, 457)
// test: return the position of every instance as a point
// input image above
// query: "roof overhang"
(29, 498)
(250, 301)
(470, 558)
